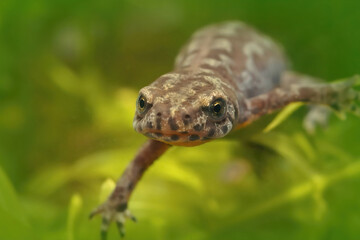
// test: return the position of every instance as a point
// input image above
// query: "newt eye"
(142, 105)
(217, 109)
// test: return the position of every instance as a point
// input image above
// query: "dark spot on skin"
(174, 137)
(149, 125)
(158, 123)
(122, 207)
(172, 124)
(198, 127)
(211, 132)
(158, 134)
(224, 129)
(158, 114)
(131, 186)
(141, 170)
(194, 137)
(140, 128)
(149, 135)
(184, 132)
(105, 221)
(186, 119)
(335, 106)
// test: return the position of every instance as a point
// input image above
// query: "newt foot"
(346, 97)
(111, 213)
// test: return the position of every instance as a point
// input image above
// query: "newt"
(224, 78)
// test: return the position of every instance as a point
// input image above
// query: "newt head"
(189, 112)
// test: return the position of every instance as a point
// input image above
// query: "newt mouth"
(183, 138)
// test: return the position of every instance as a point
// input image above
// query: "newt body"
(223, 64)
(227, 76)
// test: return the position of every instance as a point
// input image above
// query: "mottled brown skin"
(230, 61)
(227, 76)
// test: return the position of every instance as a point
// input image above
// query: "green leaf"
(13, 222)
(283, 115)
(74, 208)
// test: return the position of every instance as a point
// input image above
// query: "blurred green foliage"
(69, 76)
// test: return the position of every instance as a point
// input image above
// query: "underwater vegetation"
(70, 72)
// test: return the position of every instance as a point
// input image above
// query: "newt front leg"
(339, 96)
(115, 207)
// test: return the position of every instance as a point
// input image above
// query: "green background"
(69, 76)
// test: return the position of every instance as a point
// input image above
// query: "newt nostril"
(149, 125)
(158, 120)
(186, 119)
